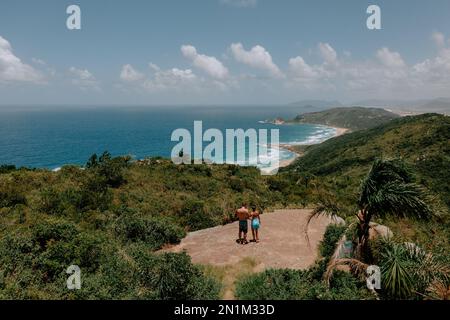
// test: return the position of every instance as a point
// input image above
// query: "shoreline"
(283, 146)
(289, 147)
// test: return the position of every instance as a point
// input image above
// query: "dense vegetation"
(112, 217)
(407, 272)
(285, 284)
(109, 218)
(354, 118)
(336, 168)
(422, 142)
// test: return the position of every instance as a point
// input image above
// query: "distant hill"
(354, 118)
(422, 141)
(316, 104)
(439, 105)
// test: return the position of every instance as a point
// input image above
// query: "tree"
(111, 169)
(388, 190)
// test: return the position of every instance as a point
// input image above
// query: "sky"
(222, 51)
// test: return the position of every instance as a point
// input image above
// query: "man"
(243, 215)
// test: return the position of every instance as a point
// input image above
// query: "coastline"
(289, 147)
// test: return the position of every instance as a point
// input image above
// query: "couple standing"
(244, 215)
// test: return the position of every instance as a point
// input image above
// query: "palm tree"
(388, 190)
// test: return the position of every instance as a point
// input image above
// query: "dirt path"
(282, 242)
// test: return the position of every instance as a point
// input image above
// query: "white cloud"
(240, 3)
(258, 57)
(175, 80)
(180, 80)
(153, 66)
(129, 74)
(346, 74)
(210, 65)
(302, 70)
(172, 79)
(434, 72)
(384, 74)
(12, 69)
(438, 38)
(389, 58)
(387, 75)
(160, 80)
(84, 79)
(327, 53)
(39, 61)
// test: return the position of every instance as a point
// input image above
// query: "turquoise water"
(49, 137)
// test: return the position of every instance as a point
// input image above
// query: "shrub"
(172, 276)
(236, 184)
(50, 202)
(5, 168)
(111, 169)
(55, 259)
(407, 270)
(116, 278)
(285, 284)
(332, 235)
(10, 196)
(16, 251)
(277, 183)
(195, 216)
(61, 245)
(88, 251)
(53, 231)
(272, 284)
(154, 231)
(94, 194)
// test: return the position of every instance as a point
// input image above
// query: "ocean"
(49, 137)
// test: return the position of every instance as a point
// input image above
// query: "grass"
(230, 274)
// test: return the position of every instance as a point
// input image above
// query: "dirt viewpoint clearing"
(282, 242)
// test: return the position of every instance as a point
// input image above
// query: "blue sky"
(222, 51)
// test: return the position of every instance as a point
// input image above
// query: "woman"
(256, 223)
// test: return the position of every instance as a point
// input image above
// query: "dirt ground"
(282, 242)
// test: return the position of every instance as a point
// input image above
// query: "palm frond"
(396, 279)
(327, 207)
(388, 190)
(438, 290)
(399, 199)
(357, 267)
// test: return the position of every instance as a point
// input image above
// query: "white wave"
(318, 136)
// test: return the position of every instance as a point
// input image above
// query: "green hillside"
(109, 218)
(423, 142)
(354, 118)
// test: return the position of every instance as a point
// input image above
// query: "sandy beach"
(289, 147)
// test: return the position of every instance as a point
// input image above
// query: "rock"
(378, 230)
(337, 220)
